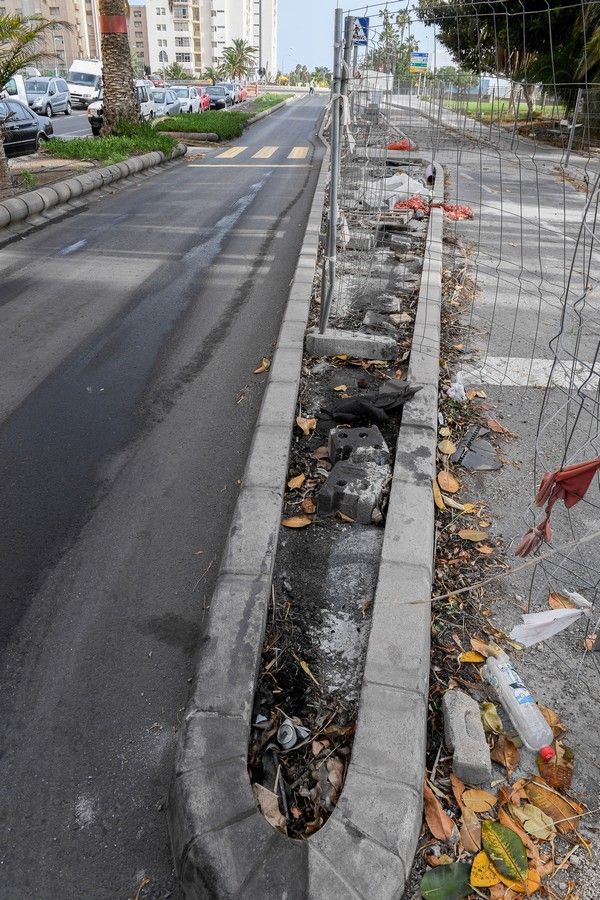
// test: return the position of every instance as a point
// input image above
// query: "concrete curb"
(30, 208)
(222, 846)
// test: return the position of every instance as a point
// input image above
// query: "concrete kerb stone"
(367, 846)
(35, 203)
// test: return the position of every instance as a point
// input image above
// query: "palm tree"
(120, 101)
(212, 74)
(239, 59)
(22, 43)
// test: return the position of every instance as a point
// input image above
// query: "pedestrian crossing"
(266, 152)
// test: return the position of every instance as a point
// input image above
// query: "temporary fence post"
(335, 170)
(573, 126)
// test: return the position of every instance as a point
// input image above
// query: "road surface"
(75, 125)
(128, 339)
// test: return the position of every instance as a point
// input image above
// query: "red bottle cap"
(547, 753)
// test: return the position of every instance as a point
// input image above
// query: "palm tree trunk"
(120, 101)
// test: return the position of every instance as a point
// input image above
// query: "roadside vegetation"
(266, 101)
(225, 125)
(133, 140)
(504, 111)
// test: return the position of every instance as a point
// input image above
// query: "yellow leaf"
(447, 447)
(532, 884)
(483, 873)
(297, 522)
(506, 851)
(306, 668)
(445, 431)
(452, 503)
(448, 482)
(470, 507)
(471, 656)
(296, 482)
(263, 366)
(341, 387)
(437, 495)
(468, 534)
(342, 356)
(490, 718)
(306, 425)
(478, 801)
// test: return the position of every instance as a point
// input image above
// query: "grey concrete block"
(361, 241)
(422, 410)
(74, 186)
(358, 445)
(63, 191)
(252, 539)
(291, 334)
(281, 873)
(355, 343)
(230, 651)
(401, 627)
(415, 461)
(286, 364)
(17, 209)
(268, 461)
(354, 490)
(297, 311)
(465, 736)
(4, 215)
(50, 197)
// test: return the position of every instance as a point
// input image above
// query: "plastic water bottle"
(521, 707)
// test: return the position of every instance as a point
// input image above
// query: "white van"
(85, 81)
(15, 87)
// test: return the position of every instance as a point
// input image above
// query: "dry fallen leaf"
(458, 788)
(308, 505)
(452, 503)
(448, 482)
(321, 453)
(341, 388)
(335, 772)
(306, 425)
(444, 431)
(490, 718)
(469, 534)
(296, 482)
(263, 366)
(485, 549)
(471, 656)
(297, 522)
(590, 642)
(494, 425)
(439, 822)
(447, 447)
(437, 495)
(306, 668)
(559, 601)
(470, 831)
(506, 754)
(269, 807)
(563, 811)
(553, 720)
(558, 771)
(478, 801)
(480, 646)
(344, 518)
(534, 821)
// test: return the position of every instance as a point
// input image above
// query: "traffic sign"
(360, 32)
(419, 62)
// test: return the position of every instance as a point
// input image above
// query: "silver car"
(166, 101)
(48, 96)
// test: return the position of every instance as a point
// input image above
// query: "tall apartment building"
(82, 42)
(137, 32)
(197, 31)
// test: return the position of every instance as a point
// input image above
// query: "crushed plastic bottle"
(521, 707)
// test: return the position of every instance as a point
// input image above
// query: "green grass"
(133, 140)
(226, 124)
(266, 101)
(501, 112)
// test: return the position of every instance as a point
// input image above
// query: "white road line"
(265, 153)
(507, 371)
(251, 165)
(72, 248)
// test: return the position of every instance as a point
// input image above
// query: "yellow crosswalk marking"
(298, 153)
(265, 153)
(229, 154)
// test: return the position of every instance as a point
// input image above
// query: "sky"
(306, 33)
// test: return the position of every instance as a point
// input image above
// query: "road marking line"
(265, 153)
(250, 165)
(517, 371)
(229, 154)
(298, 153)
(72, 248)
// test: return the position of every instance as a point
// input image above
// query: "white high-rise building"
(197, 31)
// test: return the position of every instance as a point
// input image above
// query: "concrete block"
(4, 216)
(286, 364)
(250, 548)
(74, 186)
(268, 459)
(358, 445)
(361, 241)
(465, 736)
(297, 311)
(291, 334)
(17, 209)
(50, 197)
(415, 462)
(379, 324)
(355, 490)
(355, 343)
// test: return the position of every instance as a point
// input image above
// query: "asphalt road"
(128, 339)
(75, 125)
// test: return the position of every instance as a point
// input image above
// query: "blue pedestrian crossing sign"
(360, 32)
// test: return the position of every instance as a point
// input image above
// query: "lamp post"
(287, 53)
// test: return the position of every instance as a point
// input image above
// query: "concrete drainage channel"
(35, 209)
(223, 846)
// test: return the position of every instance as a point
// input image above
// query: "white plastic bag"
(456, 391)
(540, 626)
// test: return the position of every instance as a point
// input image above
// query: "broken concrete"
(354, 490)
(465, 736)
(358, 445)
(354, 343)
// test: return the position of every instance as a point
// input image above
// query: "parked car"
(243, 92)
(166, 102)
(24, 129)
(48, 96)
(15, 87)
(219, 97)
(188, 98)
(204, 98)
(95, 110)
(230, 88)
(156, 80)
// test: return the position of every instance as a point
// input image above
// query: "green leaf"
(506, 850)
(446, 882)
